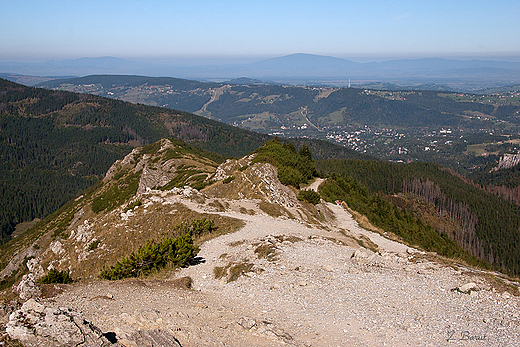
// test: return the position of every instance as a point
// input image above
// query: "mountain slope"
(485, 225)
(146, 194)
(304, 67)
(54, 144)
(176, 93)
(465, 132)
(285, 109)
(144, 191)
(269, 269)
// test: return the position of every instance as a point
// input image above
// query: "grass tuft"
(266, 251)
(232, 270)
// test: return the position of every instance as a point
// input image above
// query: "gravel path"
(306, 288)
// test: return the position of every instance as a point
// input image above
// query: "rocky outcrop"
(18, 259)
(256, 181)
(467, 288)
(35, 325)
(27, 288)
(507, 161)
(5, 311)
(152, 338)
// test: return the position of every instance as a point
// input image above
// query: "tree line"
(490, 225)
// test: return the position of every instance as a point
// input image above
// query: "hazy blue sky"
(42, 30)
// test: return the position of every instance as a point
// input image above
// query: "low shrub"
(55, 276)
(228, 179)
(153, 256)
(93, 245)
(175, 251)
(309, 196)
(294, 168)
(133, 205)
(197, 228)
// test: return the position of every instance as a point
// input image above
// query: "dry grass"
(182, 283)
(272, 210)
(120, 238)
(20, 228)
(365, 242)
(220, 271)
(237, 270)
(244, 210)
(364, 223)
(217, 205)
(326, 213)
(291, 239)
(266, 251)
(232, 270)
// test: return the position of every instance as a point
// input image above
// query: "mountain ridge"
(76, 137)
(264, 252)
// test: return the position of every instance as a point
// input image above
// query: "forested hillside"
(55, 144)
(176, 93)
(483, 224)
(267, 107)
(465, 132)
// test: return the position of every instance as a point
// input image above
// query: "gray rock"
(363, 256)
(5, 312)
(246, 322)
(27, 288)
(34, 267)
(35, 325)
(154, 338)
(467, 288)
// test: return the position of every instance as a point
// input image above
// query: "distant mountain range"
(295, 68)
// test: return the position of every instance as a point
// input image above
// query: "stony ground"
(305, 286)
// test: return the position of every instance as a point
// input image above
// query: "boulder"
(27, 288)
(35, 325)
(153, 338)
(363, 256)
(467, 288)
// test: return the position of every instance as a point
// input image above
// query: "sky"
(39, 30)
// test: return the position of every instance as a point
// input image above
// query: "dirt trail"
(346, 221)
(311, 291)
(314, 185)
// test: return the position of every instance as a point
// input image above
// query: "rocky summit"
(272, 270)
